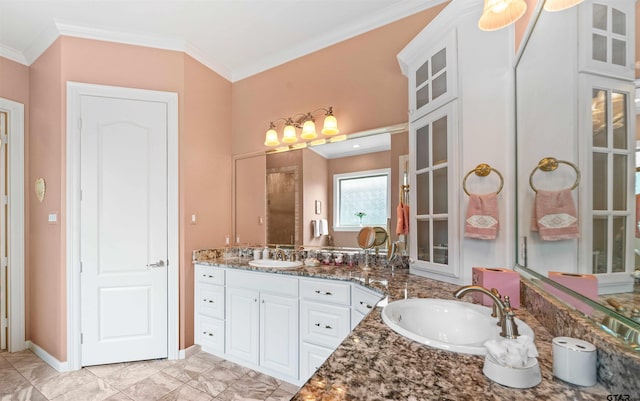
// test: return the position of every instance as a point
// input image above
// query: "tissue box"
(506, 281)
(584, 284)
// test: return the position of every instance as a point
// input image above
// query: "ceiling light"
(306, 123)
(559, 5)
(501, 13)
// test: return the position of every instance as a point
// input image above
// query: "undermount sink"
(274, 264)
(446, 324)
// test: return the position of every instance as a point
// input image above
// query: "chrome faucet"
(279, 253)
(501, 310)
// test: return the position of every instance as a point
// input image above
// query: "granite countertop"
(375, 363)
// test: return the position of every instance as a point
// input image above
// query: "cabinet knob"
(366, 304)
(323, 293)
(255, 300)
(326, 326)
(207, 334)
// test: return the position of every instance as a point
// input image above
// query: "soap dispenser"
(265, 253)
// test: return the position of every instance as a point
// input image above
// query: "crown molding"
(385, 16)
(12, 54)
(46, 38)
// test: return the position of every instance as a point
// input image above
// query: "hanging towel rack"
(482, 170)
(549, 164)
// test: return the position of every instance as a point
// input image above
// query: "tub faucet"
(502, 310)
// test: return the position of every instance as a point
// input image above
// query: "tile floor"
(201, 377)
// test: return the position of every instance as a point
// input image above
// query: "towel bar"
(549, 164)
(482, 170)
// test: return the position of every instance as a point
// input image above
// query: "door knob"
(160, 263)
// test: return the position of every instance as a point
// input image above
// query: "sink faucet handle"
(509, 326)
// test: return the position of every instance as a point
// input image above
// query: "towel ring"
(549, 164)
(482, 170)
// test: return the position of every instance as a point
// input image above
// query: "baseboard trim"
(189, 351)
(48, 358)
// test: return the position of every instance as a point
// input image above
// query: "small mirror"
(367, 237)
(380, 237)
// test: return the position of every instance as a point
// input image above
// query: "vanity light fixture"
(559, 5)
(305, 122)
(498, 14)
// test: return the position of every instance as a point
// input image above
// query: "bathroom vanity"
(372, 362)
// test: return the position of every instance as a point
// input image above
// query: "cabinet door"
(279, 334)
(311, 358)
(241, 338)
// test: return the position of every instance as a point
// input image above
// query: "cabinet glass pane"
(441, 241)
(440, 141)
(600, 16)
(618, 52)
(422, 96)
(439, 85)
(619, 244)
(440, 189)
(422, 193)
(619, 101)
(618, 22)
(599, 117)
(599, 51)
(620, 171)
(423, 239)
(422, 148)
(600, 181)
(439, 61)
(600, 243)
(422, 74)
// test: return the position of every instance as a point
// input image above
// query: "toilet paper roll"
(574, 361)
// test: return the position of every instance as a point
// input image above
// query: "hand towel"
(402, 226)
(482, 216)
(317, 226)
(554, 215)
(324, 227)
(513, 353)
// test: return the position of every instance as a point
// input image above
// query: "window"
(361, 199)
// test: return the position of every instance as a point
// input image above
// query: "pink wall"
(46, 268)
(315, 181)
(360, 77)
(204, 124)
(522, 24)
(251, 189)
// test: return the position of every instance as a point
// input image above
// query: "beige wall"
(204, 163)
(251, 199)
(315, 183)
(360, 77)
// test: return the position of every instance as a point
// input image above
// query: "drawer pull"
(366, 304)
(208, 300)
(326, 326)
(323, 293)
(207, 276)
(207, 334)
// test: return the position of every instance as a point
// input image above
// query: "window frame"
(336, 195)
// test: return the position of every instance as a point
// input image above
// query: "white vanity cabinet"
(262, 321)
(209, 306)
(284, 326)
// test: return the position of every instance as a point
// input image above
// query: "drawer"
(210, 275)
(270, 283)
(364, 300)
(311, 358)
(209, 300)
(325, 325)
(209, 334)
(326, 291)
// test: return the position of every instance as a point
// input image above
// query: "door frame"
(74, 92)
(16, 258)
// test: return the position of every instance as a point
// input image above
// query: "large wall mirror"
(321, 195)
(575, 94)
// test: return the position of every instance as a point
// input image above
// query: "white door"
(123, 229)
(4, 131)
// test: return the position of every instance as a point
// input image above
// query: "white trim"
(12, 54)
(358, 174)
(48, 358)
(16, 288)
(61, 28)
(74, 92)
(189, 352)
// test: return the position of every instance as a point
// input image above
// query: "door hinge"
(81, 338)
(80, 124)
(80, 266)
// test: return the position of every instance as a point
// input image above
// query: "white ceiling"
(235, 38)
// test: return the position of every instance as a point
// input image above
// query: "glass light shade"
(330, 125)
(308, 130)
(559, 5)
(289, 135)
(271, 138)
(500, 13)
